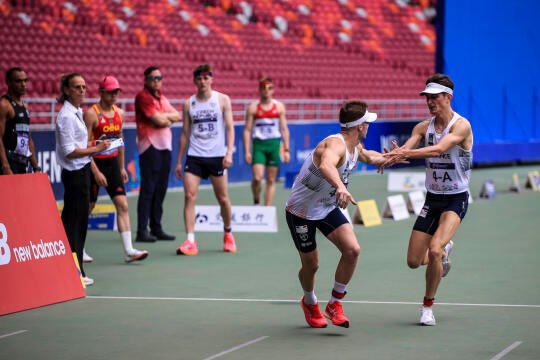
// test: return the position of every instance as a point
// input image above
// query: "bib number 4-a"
(445, 177)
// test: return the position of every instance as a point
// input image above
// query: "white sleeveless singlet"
(312, 197)
(207, 138)
(450, 172)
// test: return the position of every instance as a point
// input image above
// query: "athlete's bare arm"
(458, 134)
(328, 156)
(184, 140)
(225, 101)
(284, 129)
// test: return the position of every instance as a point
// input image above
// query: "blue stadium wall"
(491, 49)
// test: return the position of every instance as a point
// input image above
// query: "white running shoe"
(446, 263)
(136, 255)
(426, 316)
(88, 281)
(86, 258)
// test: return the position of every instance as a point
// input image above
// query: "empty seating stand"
(324, 49)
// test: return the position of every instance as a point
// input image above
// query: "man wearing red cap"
(447, 141)
(104, 120)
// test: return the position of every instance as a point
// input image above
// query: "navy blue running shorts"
(203, 167)
(428, 219)
(303, 230)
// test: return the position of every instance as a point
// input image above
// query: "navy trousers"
(154, 166)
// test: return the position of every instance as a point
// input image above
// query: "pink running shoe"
(335, 313)
(228, 243)
(313, 315)
(188, 248)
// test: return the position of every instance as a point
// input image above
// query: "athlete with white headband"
(318, 193)
(447, 141)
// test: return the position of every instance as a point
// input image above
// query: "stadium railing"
(43, 111)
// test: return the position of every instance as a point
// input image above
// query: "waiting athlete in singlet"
(208, 137)
(447, 142)
(16, 146)
(318, 193)
(104, 120)
(267, 126)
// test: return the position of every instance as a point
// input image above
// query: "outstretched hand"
(389, 155)
(397, 155)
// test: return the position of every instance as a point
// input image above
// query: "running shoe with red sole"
(228, 243)
(188, 248)
(313, 315)
(335, 313)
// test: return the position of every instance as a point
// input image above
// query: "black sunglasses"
(154, 78)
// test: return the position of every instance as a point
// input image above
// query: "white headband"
(367, 117)
(434, 88)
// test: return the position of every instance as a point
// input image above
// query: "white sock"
(191, 237)
(126, 240)
(340, 288)
(309, 297)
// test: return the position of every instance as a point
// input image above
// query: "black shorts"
(203, 167)
(303, 230)
(115, 185)
(428, 219)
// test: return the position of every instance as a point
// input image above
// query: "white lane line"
(238, 347)
(506, 351)
(295, 301)
(13, 333)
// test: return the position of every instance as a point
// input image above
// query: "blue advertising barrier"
(304, 137)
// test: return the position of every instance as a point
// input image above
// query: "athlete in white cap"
(447, 142)
(318, 192)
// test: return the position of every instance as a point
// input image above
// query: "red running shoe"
(228, 243)
(187, 248)
(335, 313)
(313, 315)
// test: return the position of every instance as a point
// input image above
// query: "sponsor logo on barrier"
(243, 218)
(33, 246)
(5, 253)
(29, 252)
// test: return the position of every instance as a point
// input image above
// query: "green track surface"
(246, 304)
